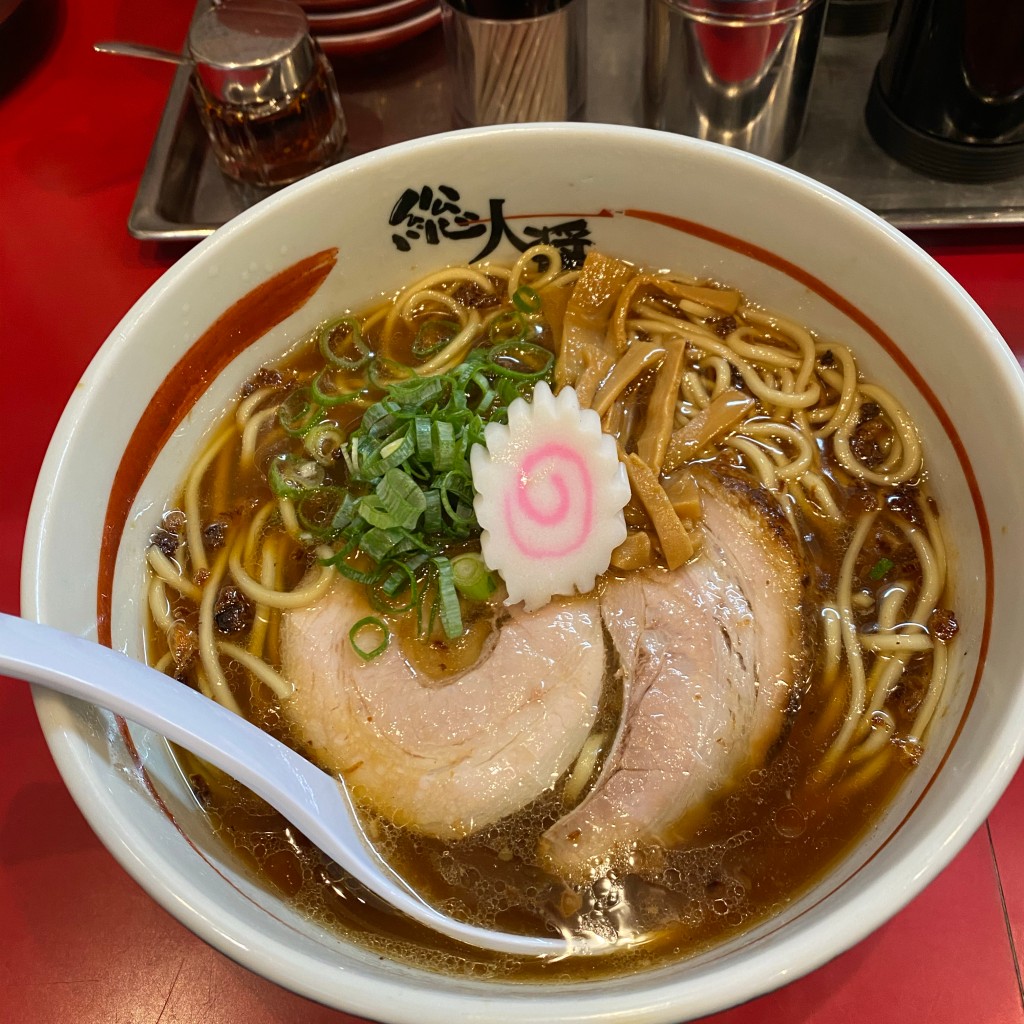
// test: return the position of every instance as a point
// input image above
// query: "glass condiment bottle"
(265, 91)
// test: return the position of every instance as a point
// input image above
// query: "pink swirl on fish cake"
(524, 513)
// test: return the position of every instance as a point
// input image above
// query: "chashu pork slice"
(710, 655)
(445, 757)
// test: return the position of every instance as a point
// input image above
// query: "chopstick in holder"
(520, 81)
(550, 95)
(516, 59)
(500, 48)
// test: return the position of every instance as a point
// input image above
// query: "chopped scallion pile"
(405, 497)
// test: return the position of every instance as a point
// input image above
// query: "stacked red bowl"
(348, 27)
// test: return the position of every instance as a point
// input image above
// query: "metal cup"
(738, 72)
(252, 51)
(516, 69)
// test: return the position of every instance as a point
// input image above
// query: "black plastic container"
(948, 94)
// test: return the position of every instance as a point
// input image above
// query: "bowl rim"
(815, 945)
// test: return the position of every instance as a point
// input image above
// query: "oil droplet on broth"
(789, 821)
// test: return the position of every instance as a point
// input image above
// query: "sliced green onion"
(397, 450)
(417, 392)
(347, 512)
(472, 577)
(398, 573)
(379, 541)
(384, 372)
(380, 418)
(402, 497)
(324, 442)
(373, 511)
(328, 387)
(507, 326)
(433, 513)
(526, 299)
(881, 568)
(341, 343)
(456, 492)
(351, 572)
(487, 393)
(398, 491)
(317, 511)
(359, 451)
(370, 622)
(522, 360)
(339, 556)
(442, 445)
(448, 599)
(432, 336)
(395, 578)
(423, 428)
(299, 411)
(291, 476)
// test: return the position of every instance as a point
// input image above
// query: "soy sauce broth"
(763, 842)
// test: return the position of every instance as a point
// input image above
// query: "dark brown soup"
(703, 393)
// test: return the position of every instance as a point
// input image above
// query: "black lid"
(971, 162)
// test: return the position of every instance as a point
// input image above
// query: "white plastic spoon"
(314, 802)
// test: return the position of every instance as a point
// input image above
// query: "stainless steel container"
(516, 68)
(737, 72)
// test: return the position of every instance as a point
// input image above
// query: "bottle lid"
(945, 159)
(252, 51)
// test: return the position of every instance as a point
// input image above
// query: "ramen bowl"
(367, 227)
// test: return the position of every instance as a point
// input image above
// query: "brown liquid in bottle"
(276, 142)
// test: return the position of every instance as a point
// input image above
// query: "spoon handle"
(309, 798)
(94, 673)
(142, 50)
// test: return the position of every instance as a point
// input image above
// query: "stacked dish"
(351, 27)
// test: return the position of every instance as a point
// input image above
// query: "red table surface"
(81, 942)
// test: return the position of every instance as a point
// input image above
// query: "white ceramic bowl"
(790, 244)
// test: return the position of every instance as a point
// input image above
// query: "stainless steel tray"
(403, 93)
